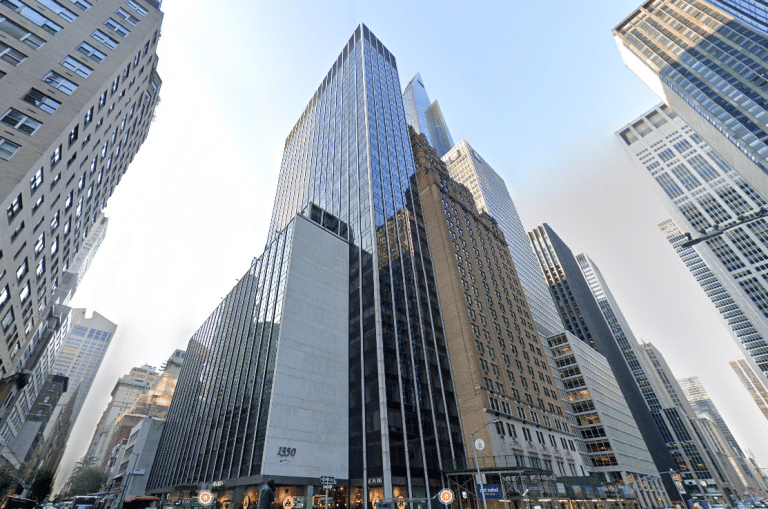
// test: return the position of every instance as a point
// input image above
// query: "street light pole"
(477, 465)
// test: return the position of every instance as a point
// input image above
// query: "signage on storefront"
(490, 491)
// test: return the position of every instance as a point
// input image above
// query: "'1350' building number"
(286, 451)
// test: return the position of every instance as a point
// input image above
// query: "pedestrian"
(267, 495)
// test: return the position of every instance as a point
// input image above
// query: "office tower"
(720, 466)
(492, 341)
(709, 68)
(752, 12)
(753, 384)
(125, 393)
(82, 351)
(348, 167)
(612, 441)
(699, 399)
(666, 434)
(491, 196)
(424, 117)
(710, 416)
(724, 216)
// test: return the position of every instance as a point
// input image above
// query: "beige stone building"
(506, 392)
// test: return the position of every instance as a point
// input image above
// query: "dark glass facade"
(350, 155)
(215, 426)
(751, 12)
(581, 315)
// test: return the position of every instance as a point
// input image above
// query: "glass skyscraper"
(711, 68)
(751, 12)
(708, 198)
(348, 166)
(425, 117)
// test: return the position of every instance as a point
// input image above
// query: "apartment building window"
(58, 81)
(91, 52)
(112, 25)
(56, 156)
(8, 149)
(83, 5)
(105, 39)
(11, 55)
(138, 8)
(22, 270)
(19, 32)
(20, 121)
(130, 18)
(33, 16)
(36, 181)
(59, 9)
(88, 117)
(7, 320)
(41, 101)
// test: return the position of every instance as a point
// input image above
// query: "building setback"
(347, 166)
(709, 200)
(492, 341)
(709, 67)
(79, 87)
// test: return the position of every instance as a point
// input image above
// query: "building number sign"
(286, 451)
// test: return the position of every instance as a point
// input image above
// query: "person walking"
(267, 495)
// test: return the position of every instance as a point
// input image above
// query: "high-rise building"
(709, 67)
(613, 443)
(753, 383)
(346, 181)
(127, 390)
(722, 212)
(79, 87)
(492, 341)
(699, 399)
(706, 439)
(491, 196)
(81, 353)
(425, 117)
(752, 12)
(589, 311)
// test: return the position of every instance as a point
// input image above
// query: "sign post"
(328, 482)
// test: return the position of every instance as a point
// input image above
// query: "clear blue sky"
(537, 88)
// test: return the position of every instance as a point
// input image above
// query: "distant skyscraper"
(696, 394)
(346, 180)
(426, 118)
(709, 199)
(589, 312)
(753, 383)
(82, 352)
(710, 68)
(491, 195)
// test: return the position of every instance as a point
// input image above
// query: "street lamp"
(477, 465)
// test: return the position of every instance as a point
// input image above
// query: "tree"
(88, 480)
(42, 482)
(9, 478)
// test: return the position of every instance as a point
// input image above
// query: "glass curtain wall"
(350, 154)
